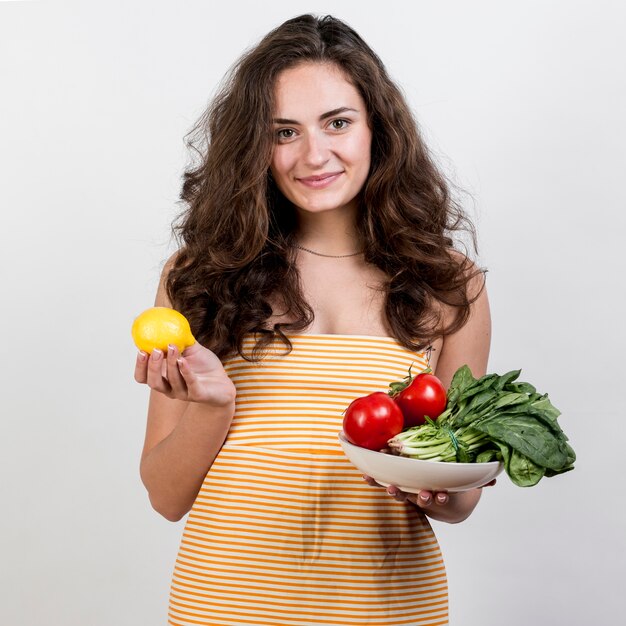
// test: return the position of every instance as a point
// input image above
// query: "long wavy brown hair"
(237, 230)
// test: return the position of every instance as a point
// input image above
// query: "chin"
(322, 207)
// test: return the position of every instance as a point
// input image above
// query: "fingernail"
(441, 498)
(142, 355)
(156, 354)
(392, 491)
(424, 498)
(170, 349)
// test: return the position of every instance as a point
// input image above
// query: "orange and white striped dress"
(285, 531)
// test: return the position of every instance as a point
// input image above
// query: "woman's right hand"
(195, 376)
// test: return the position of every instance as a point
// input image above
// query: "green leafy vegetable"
(493, 418)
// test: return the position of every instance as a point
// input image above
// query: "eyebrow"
(323, 116)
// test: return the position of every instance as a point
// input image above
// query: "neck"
(329, 232)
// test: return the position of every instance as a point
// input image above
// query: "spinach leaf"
(529, 437)
(461, 381)
(506, 379)
(520, 469)
(521, 388)
(488, 455)
(509, 399)
(544, 405)
(523, 472)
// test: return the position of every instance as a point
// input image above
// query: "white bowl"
(413, 475)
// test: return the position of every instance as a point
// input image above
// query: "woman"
(316, 266)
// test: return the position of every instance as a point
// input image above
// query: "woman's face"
(322, 140)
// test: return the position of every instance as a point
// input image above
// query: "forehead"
(315, 88)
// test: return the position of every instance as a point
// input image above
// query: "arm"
(182, 441)
(191, 407)
(468, 346)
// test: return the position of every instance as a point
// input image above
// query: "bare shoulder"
(471, 343)
(162, 299)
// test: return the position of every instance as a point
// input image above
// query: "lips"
(321, 180)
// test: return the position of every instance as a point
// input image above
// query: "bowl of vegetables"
(418, 436)
(414, 475)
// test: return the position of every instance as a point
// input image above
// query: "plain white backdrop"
(524, 105)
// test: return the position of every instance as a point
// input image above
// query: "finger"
(397, 494)
(441, 498)
(192, 350)
(423, 499)
(174, 377)
(155, 373)
(183, 367)
(185, 371)
(141, 367)
(370, 481)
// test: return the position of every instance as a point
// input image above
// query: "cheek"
(359, 151)
(280, 168)
(280, 165)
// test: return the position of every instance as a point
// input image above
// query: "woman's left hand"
(440, 505)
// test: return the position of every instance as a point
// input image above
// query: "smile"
(321, 181)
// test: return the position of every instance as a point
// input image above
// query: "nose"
(316, 150)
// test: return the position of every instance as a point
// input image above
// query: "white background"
(523, 102)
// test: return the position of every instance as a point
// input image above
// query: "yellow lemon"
(159, 327)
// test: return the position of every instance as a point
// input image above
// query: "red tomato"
(372, 420)
(424, 396)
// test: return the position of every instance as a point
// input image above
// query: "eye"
(340, 124)
(284, 134)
